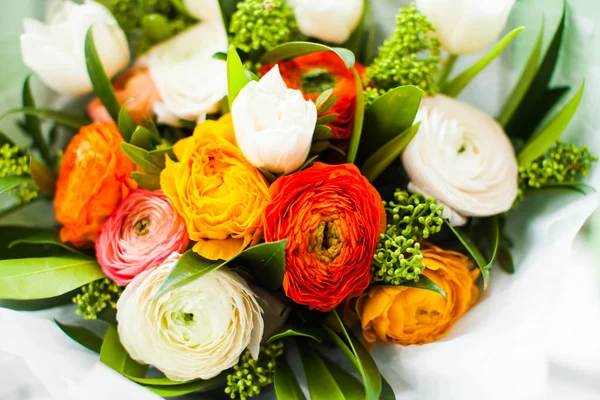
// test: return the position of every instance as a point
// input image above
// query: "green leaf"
(387, 393)
(551, 132)
(81, 335)
(390, 114)
(325, 119)
(228, 7)
(322, 132)
(168, 388)
(505, 260)
(327, 104)
(42, 176)
(10, 182)
(493, 237)
(188, 268)
(127, 125)
(543, 108)
(46, 237)
(457, 85)
(146, 181)
(286, 385)
(356, 41)
(294, 49)
(474, 251)
(40, 304)
(33, 125)
(385, 156)
(518, 93)
(309, 332)
(141, 158)
(61, 118)
(12, 233)
(426, 284)
(144, 138)
(351, 387)
(236, 76)
(359, 116)
(323, 97)
(574, 186)
(114, 355)
(39, 278)
(320, 382)
(5, 139)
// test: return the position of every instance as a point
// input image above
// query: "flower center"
(142, 227)
(325, 241)
(317, 81)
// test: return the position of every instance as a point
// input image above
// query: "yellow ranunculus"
(220, 195)
(406, 316)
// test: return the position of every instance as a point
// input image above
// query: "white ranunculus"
(463, 158)
(204, 10)
(194, 331)
(191, 83)
(55, 50)
(328, 20)
(466, 26)
(273, 124)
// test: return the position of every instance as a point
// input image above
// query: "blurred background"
(571, 344)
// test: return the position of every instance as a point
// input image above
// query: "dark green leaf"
(351, 387)
(61, 118)
(426, 284)
(387, 393)
(574, 186)
(356, 41)
(493, 236)
(457, 85)
(541, 110)
(33, 125)
(294, 49)
(39, 278)
(40, 304)
(146, 181)
(126, 124)
(81, 335)
(474, 251)
(141, 158)
(228, 7)
(46, 237)
(322, 132)
(505, 260)
(236, 76)
(385, 156)
(10, 182)
(12, 233)
(5, 139)
(43, 177)
(286, 385)
(187, 388)
(114, 355)
(219, 55)
(551, 132)
(359, 115)
(313, 333)
(320, 382)
(144, 138)
(266, 262)
(188, 268)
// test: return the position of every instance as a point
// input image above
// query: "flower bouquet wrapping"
(264, 200)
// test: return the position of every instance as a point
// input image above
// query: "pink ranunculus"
(134, 87)
(140, 234)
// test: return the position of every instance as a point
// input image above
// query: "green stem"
(447, 70)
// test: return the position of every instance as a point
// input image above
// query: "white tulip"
(466, 26)
(328, 20)
(461, 157)
(204, 10)
(56, 51)
(191, 83)
(194, 331)
(273, 124)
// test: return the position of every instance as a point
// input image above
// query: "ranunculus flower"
(94, 178)
(55, 51)
(328, 20)
(139, 235)
(274, 125)
(220, 195)
(136, 88)
(331, 217)
(406, 315)
(461, 157)
(465, 26)
(194, 331)
(315, 73)
(191, 83)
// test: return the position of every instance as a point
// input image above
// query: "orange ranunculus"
(135, 86)
(330, 216)
(406, 315)
(220, 195)
(94, 178)
(315, 73)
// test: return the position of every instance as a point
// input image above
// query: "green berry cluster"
(258, 26)
(96, 296)
(410, 56)
(249, 377)
(398, 257)
(14, 162)
(563, 163)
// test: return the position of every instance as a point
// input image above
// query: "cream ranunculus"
(328, 20)
(466, 26)
(463, 158)
(194, 331)
(273, 124)
(191, 83)
(56, 53)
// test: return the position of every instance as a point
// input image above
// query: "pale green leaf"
(146, 181)
(295, 49)
(114, 355)
(320, 382)
(286, 385)
(474, 251)
(10, 182)
(359, 115)
(142, 158)
(236, 76)
(313, 333)
(71, 121)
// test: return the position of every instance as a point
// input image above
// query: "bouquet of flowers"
(264, 190)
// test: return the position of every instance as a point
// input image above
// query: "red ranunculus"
(331, 217)
(315, 73)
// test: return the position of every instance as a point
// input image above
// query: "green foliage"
(249, 377)
(411, 217)
(409, 57)
(14, 162)
(96, 296)
(259, 26)
(563, 163)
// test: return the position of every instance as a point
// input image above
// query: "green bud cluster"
(411, 218)
(563, 163)
(258, 26)
(410, 56)
(249, 377)
(14, 162)
(96, 296)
